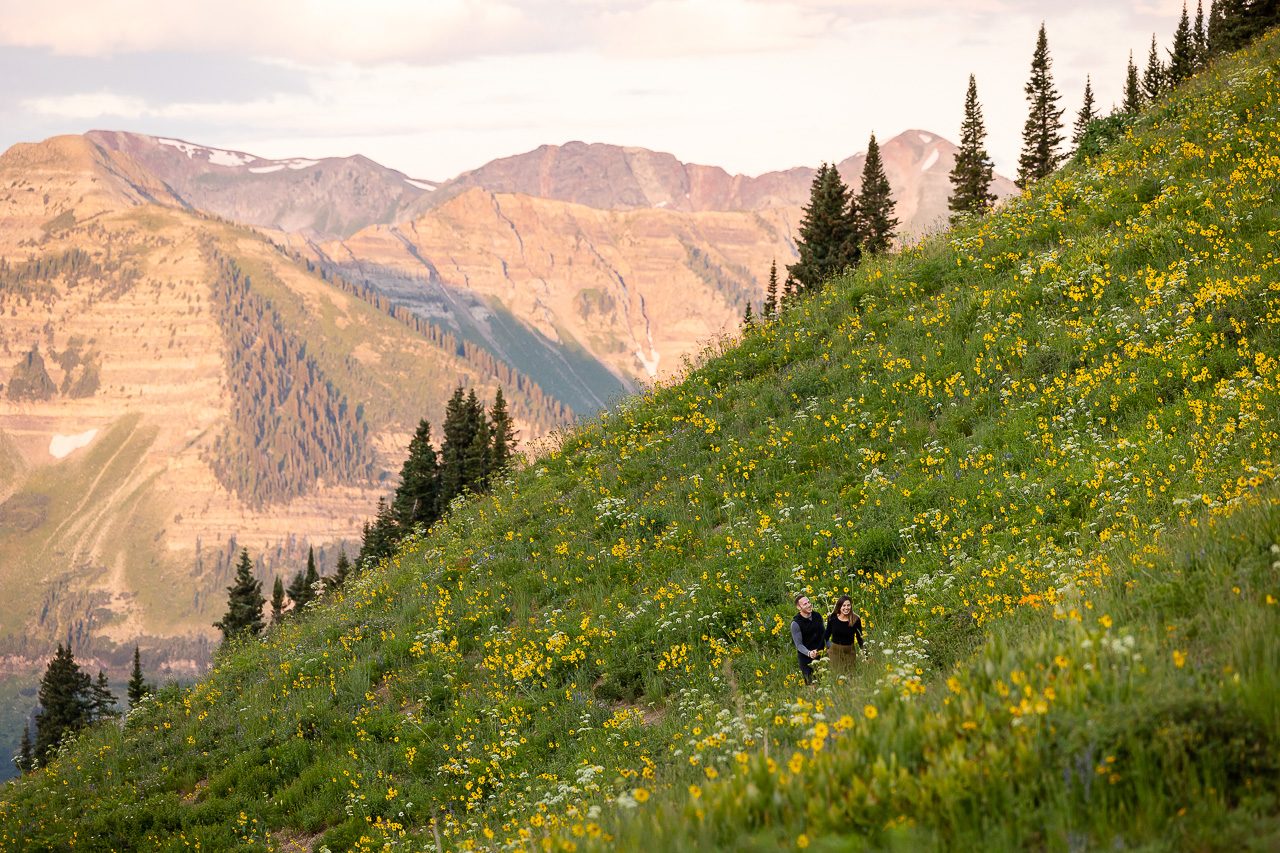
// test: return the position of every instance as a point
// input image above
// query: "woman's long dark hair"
(840, 603)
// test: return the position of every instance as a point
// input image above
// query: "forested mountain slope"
(1040, 454)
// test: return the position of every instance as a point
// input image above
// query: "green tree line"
(291, 426)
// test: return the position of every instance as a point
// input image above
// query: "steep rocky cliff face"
(633, 291)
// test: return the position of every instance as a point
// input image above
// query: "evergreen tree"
(277, 601)
(415, 501)
(341, 570)
(1182, 58)
(504, 435)
(244, 604)
(297, 591)
(1216, 31)
(771, 292)
(137, 687)
(65, 701)
(475, 470)
(25, 759)
(380, 536)
(1087, 113)
(453, 449)
(1153, 79)
(748, 319)
(313, 574)
(875, 203)
(1201, 37)
(973, 172)
(790, 290)
(829, 239)
(1042, 133)
(1132, 89)
(102, 702)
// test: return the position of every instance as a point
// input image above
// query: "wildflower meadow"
(1039, 451)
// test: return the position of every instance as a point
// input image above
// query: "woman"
(844, 627)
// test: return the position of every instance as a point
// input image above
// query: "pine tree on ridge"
(771, 292)
(875, 203)
(1088, 112)
(1132, 89)
(1042, 133)
(973, 172)
(244, 604)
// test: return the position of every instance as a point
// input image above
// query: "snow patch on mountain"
(214, 156)
(926, 138)
(929, 161)
(429, 186)
(265, 170)
(61, 445)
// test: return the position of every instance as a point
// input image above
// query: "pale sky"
(436, 87)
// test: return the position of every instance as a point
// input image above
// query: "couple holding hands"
(840, 631)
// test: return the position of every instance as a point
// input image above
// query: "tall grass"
(1038, 451)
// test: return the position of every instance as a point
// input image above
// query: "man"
(808, 634)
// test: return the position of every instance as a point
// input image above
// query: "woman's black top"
(845, 633)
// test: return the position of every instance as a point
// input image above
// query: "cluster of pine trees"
(1231, 24)
(69, 701)
(839, 227)
(475, 449)
(291, 425)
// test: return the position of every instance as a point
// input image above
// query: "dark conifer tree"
(771, 292)
(25, 759)
(475, 474)
(875, 203)
(829, 239)
(504, 435)
(1132, 89)
(137, 687)
(453, 448)
(102, 702)
(1153, 79)
(1088, 112)
(415, 502)
(1182, 58)
(790, 290)
(341, 570)
(1200, 37)
(277, 601)
(313, 574)
(1042, 133)
(973, 172)
(65, 699)
(380, 536)
(244, 604)
(1216, 30)
(297, 591)
(748, 318)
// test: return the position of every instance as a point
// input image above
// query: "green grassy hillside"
(1040, 454)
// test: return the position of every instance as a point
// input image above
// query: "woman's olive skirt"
(843, 658)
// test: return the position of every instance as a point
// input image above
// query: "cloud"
(317, 32)
(87, 105)
(307, 31)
